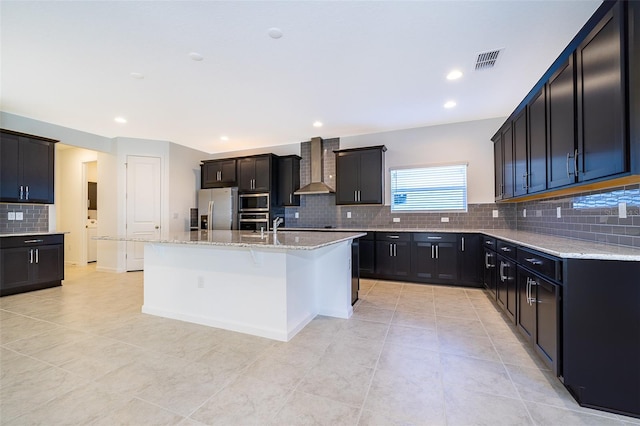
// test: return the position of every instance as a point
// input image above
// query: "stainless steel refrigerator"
(218, 208)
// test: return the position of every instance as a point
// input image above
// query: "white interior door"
(143, 206)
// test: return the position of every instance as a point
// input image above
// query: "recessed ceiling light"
(454, 75)
(317, 124)
(224, 138)
(450, 104)
(275, 33)
(137, 75)
(120, 120)
(196, 56)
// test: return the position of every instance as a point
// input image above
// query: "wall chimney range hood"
(317, 186)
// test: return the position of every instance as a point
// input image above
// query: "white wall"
(70, 200)
(184, 181)
(468, 142)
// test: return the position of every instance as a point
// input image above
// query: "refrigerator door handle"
(210, 214)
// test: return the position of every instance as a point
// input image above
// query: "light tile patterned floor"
(410, 355)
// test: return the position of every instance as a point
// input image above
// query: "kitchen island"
(262, 284)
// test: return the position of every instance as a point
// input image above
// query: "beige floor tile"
(245, 401)
(414, 319)
(417, 363)
(476, 375)
(469, 346)
(305, 409)
(417, 288)
(19, 327)
(514, 352)
(345, 383)
(381, 301)
(138, 412)
(410, 336)
(372, 314)
(284, 373)
(355, 351)
(466, 408)
(363, 330)
(548, 415)
(453, 326)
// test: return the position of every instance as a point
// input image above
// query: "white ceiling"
(359, 67)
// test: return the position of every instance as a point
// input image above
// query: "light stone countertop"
(557, 246)
(289, 240)
(29, 234)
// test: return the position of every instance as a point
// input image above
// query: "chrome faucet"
(276, 222)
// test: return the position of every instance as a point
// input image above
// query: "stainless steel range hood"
(317, 186)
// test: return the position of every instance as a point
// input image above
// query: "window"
(429, 189)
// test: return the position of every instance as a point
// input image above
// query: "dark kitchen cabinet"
(537, 143)
(218, 173)
(26, 168)
(288, 180)
(561, 121)
(434, 257)
(498, 167)
(31, 263)
(520, 165)
(360, 175)
(489, 272)
(92, 192)
(393, 255)
(503, 162)
(602, 142)
(506, 278)
(469, 259)
(355, 270)
(367, 255)
(256, 174)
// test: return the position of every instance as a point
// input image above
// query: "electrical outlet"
(495, 213)
(558, 212)
(296, 215)
(444, 219)
(19, 216)
(524, 212)
(348, 215)
(11, 216)
(396, 219)
(538, 213)
(622, 210)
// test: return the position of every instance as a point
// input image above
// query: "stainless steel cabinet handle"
(355, 195)
(569, 173)
(533, 261)
(390, 250)
(395, 250)
(434, 238)
(505, 249)
(290, 198)
(488, 242)
(462, 238)
(395, 237)
(21, 191)
(486, 261)
(575, 162)
(32, 241)
(37, 255)
(26, 192)
(502, 275)
(30, 255)
(437, 252)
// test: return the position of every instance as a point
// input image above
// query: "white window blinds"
(431, 189)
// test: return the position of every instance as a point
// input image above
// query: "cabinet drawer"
(31, 240)
(489, 242)
(369, 237)
(548, 266)
(506, 249)
(434, 237)
(393, 236)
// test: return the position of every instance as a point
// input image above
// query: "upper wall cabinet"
(258, 173)
(578, 125)
(360, 175)
(26, 168)
(218, 173)
(288, 180)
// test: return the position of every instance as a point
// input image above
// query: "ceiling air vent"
(486, 60)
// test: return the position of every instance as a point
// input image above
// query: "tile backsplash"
(35, 218)
(591, 216)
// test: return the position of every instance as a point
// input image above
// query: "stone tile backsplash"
(35, 218)
(591, 216)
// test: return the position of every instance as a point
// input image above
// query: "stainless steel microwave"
(254, 202)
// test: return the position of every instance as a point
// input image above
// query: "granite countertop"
(289, 240)
(557, 246)
(29, 234)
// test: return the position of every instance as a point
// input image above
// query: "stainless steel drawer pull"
(534, 261)
(32, 241)
(434, 238)
(507, 249)
(395, 237)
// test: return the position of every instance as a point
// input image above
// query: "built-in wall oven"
(254, 212)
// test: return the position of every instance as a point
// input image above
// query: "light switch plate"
(348, 215)
(396, 219)
(444, 219)
(622, 210)
(558, 212)
(495, 213)
(19, 216)
(11, 216)
(296, 215)
(524, 212)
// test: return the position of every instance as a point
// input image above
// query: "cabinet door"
(371, 177)
(367, 258)
(508, 169)
(520, 172)
(560, 122)
(347, 174)
(37, 170)
(546, 336)
(402, 259)
(48, 263)
(246, 174)
(506, 286)
(208, 175)
(262, 174)
(470, 258)
(447, 261)
(384, 258)
(227, 171)
(423, 260)
(601, 104)
(537, 148)
(288, 181)
(15, 267)
(9, 169)
(526, 318)
(498, 172)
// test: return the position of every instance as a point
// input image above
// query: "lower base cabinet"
(367, 255)
(31, 263)
(434, 258)
(393, 260)
(506, 286)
